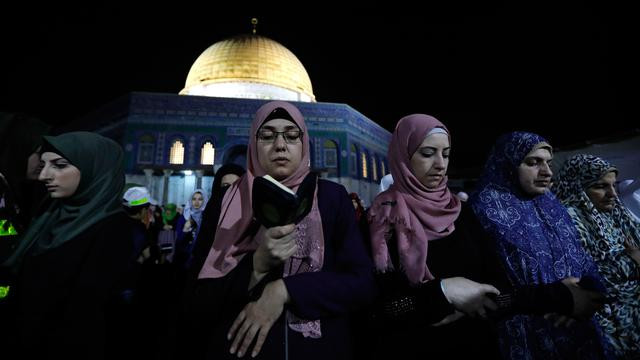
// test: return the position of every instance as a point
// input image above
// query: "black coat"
(406, 330)
(65, 298)
(344, 285)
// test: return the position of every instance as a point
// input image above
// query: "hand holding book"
(275, 204)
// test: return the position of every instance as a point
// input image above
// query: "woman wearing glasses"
(285, 291)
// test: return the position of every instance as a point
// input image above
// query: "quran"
(274, 204)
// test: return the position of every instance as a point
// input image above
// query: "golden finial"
(254, 22)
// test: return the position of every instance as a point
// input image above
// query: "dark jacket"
(344, 285)
(64, 297)
(404, 314)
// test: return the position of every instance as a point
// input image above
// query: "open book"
(275, 204)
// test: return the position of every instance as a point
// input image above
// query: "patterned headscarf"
(415, 213)
(233, 237)
(537, 243)
(603, 234)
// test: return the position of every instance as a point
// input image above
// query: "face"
(33, 166)
(429, 163)
(228, 179)
(277, 157)
(603, 193)
(196, 200)
(60, 177)
(355, 203)
(534, 173)
(143, 214)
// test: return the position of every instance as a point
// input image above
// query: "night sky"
(483, 71)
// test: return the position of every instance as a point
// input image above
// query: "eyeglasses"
(289, 136)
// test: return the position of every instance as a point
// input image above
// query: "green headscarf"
(101, 165)
(172, 211)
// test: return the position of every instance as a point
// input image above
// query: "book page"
(268, 177)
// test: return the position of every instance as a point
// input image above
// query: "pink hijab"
(233, 238)
(416, 214)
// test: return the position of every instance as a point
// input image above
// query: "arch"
(365, 172)
(353, 160)
(330, 154)
(176, 153)
(374, 167)
(207, 153)
(146, 147)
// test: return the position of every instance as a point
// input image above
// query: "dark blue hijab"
(537, 242)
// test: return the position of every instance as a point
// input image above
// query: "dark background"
(566, 70)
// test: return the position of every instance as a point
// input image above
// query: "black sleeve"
(536, 299)
(400, 302)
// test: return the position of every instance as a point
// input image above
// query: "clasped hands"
(585, 303)
(468, 298)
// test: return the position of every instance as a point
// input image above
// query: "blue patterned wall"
(226, 122)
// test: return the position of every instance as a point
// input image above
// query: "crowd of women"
(534, 265)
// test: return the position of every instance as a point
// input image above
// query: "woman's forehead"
(540, 152)
(50, 156)
(279, 124)
(436, 139)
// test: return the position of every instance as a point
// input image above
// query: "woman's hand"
(167, 227)
(187, 227)
(257, 318)
(585, 302)
(457, 315)
(469, 297)
(277, 245)
(632, 250)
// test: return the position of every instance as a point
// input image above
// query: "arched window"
(330, 154)
(176, 155)
(374, 168)
(353, 160)
(207, 154)
(146, 145)
(365, 173)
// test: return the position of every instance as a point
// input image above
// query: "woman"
(425, 253)
(73, 256)
(288, 288)
(189, 225)
(586, 186)
(226, 175)
(536, 242)
(168, 233)
(357, 206)
(19, 192)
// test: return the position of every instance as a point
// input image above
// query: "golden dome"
(249, 59)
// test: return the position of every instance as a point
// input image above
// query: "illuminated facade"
(174, 142)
